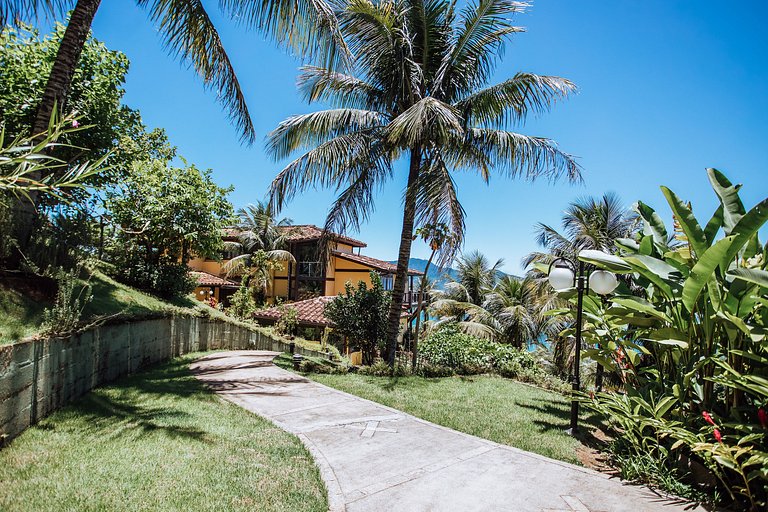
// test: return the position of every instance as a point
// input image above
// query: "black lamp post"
(564, 274)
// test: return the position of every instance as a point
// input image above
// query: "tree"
(588, 223)
(262, 240)
(164, 215)
(361, 314)
(440, 242)
(99, 126)
(419, 92)
(512, 307)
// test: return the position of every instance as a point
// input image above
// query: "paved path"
(374, 458)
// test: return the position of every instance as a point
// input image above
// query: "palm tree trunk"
(404, 255)
(415, 341)
(54, 96)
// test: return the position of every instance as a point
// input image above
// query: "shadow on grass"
(135, 405)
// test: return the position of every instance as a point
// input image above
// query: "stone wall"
(39, 376)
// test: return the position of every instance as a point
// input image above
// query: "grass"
(21, 317)
(490, 407)
(157, 441)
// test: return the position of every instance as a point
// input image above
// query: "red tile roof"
(381, 265)
(206, 279)
(309, 312)
(309, 232)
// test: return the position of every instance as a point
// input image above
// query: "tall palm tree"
(189, 33)
(419, 93)
(477, 276)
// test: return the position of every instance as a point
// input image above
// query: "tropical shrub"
(361, 314)
(689, 339)
(288, 322)
(448, 350)
(71, 300)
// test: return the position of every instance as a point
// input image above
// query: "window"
(388, 281)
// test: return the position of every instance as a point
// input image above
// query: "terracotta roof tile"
(309, 312)
(206, 279)
(309, 232)
(374, 263)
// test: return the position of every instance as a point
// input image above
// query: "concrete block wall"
(39, 376)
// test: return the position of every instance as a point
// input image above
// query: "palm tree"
(512, 306)
(419, 93)
(477, 276)
(189, 33)
(262, 240)
(588, 223)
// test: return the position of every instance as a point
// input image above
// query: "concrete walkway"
(374, 458)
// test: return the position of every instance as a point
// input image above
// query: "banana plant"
(696, 317)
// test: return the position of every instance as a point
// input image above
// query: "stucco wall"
(39, 376)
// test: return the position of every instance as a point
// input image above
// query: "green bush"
(71, 299)
(381, 369)
(449, 350)
(321, 366)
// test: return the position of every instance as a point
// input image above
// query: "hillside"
(21, 310)
(434, 274)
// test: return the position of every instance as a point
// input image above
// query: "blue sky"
(667, 88)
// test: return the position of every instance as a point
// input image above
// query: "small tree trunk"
(415, 340)
(54, 96)
(599, 378)
(404, 255)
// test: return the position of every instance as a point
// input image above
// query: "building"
(311, 275)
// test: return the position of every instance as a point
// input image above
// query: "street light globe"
(561, 278)
(603, 282)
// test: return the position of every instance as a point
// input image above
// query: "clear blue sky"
(667, 88)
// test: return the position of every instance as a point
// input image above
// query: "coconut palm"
(261, 238)
(512, 306)
(588, 223)
(419, 94)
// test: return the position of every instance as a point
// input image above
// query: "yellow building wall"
(210, 266)
(348, 271)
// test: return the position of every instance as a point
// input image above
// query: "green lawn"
(494, 408)
(157, 441)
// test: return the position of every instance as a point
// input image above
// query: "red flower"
(763, 417)
(718, 436)
(708, 418)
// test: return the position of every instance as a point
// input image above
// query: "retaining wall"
(39, 376)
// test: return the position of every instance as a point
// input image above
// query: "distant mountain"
(434, 273)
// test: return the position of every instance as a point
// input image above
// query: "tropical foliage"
(690, 342)
(419, 92)
(165, 215)
(448, 350)
(485, 302)
(361, 314)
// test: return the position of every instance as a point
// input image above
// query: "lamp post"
(564, 274)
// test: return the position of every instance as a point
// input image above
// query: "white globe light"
(561, 278)
(603, 282)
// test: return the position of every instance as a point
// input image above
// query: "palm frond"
(27, 10)
(339, 89)
(517, 155)
(478, 42)
(189, 33)
(309, 130)
(511, 101)
(308, 27)
(328, 165)
(427, 121)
